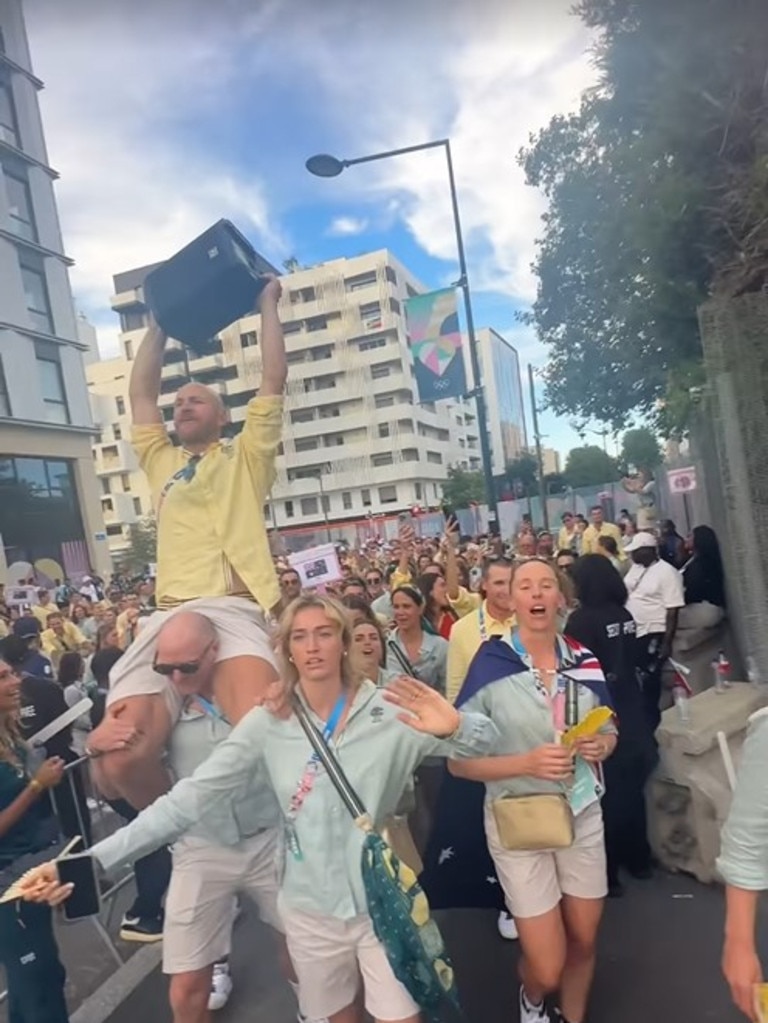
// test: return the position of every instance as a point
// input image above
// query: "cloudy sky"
(163, 117)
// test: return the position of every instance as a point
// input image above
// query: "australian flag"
(458, 869)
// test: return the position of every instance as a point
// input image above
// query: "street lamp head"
(325, 166)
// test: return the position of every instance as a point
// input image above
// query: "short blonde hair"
(337, 613)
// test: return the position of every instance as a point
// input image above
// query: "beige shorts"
(242, 632)
(200, 905)
(534, 882)
(329, 955)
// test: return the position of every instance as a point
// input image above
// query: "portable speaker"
(207, 285)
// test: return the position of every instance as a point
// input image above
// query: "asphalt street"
(658, 961)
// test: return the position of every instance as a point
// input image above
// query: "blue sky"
(163, 117)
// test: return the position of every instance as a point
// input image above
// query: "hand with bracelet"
(48, 775)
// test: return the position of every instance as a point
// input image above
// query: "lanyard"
(307, 780)
(546, 691)
(208, 708)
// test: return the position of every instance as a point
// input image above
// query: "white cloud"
(132, 89)
(347, 226)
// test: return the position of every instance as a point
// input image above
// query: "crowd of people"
(493, 654)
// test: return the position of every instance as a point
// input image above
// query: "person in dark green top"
(28, 949)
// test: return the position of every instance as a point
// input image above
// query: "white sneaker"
(305, 1019)
(221, 987)
(506, 925)
(532, 1013)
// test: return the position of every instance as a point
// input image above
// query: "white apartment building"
(500, 372)
(356, 442)
(50, 514)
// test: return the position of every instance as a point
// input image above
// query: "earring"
(290, 660)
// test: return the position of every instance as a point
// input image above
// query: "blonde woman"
(556, 896)
(329, 932)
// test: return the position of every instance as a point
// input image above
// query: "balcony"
(205, 363)
(127, 299)
(118, 509)
(115, 457)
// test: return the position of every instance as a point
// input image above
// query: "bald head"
(199, 415)
(188, 639)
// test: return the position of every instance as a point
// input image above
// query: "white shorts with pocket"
(330, 955)
(535, 882)
(241, 629)
(200, 905)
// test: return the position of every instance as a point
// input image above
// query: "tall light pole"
(323, 504)
(325, 166)
(539, 452)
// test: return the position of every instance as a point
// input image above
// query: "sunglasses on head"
(184, 668)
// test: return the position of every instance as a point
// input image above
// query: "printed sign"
(317, 566)
(682, 481)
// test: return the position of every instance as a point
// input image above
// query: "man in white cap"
(655, 591)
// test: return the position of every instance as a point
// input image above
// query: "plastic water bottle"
(722, 670)
(680, 696)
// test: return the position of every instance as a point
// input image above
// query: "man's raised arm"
(274, 367)
(144, 387)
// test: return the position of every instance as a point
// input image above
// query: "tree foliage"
(640, 449)
(589, 466)
(142, 545)
(657, 196)
(463, 487)
(522, 475)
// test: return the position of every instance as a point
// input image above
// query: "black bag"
(207, 285)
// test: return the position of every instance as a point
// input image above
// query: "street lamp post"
(325, 166)
(323, 504)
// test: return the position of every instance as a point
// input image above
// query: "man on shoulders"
(213, 554)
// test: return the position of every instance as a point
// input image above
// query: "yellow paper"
(589, 725)
(761, 1002)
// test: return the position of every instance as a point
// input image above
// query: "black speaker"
(207, 285)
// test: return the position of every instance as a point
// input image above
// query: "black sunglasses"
(185, 668)
(373, 579)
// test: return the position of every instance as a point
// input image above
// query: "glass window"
(30, 473)
(386, 458)
(388, 495)
(52, 388)
(125, 481)
(289, 509)
(20, 207)
(346, 500)
(117, 433)
(435, 457)
(366, 498)
(134, 319)
(309, 506)
(307, 443)
(137, 506)
(128, 349)
(383, 429)
(36, 295)
(8, 125)
(120, 403)
(248, 339)
(105, 488)
(378, 372)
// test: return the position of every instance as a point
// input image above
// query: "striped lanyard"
(307, 781)
(554, 700)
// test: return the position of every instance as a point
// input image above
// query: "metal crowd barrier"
(83, 800)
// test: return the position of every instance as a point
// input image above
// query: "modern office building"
(500, 370)
(50, 513)
(356, 443)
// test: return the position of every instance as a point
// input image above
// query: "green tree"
(463, 487)
(640, 449)
(522, 475)
(657, 196)
(142, 545)
(589, 466)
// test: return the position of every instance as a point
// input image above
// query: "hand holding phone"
(78, 875)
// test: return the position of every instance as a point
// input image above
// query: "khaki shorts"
(534, 882)
(329, 955)
(200, 906)
(242, 632)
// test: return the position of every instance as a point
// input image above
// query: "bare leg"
(189, 993)
(349, 1015)
(242, 683)
(410, 1019)
(542, 942)
(582, 919)
(136, 774)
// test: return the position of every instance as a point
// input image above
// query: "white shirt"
(652, 592)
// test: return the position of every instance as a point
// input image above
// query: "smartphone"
(85, 899)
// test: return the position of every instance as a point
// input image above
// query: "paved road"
(658, 961)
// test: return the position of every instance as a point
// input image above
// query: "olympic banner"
(434, 338)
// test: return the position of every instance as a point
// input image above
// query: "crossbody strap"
(403, 660)
(350, 798)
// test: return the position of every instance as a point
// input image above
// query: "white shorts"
(200, 905)
(242, 632)
(534, 882)
(329, 955)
